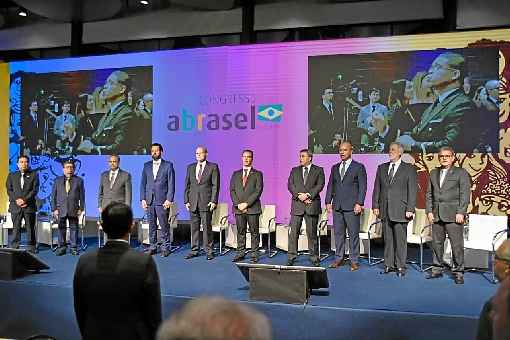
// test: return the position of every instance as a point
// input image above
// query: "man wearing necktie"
(32, 128)
(22, 187)
(325, 123)
(394, 202)
(305, 183)
(114, 185)
(345, 197)
(202, 186)
(67, 204)
(157, 189)
(246, 187)
(447, 200)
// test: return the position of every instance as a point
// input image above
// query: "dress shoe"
(434, 275)
(254, 259)
(74, 251)
(337, 263)
(401, 272)
(238, 257)
(290, 262)
(316, 263)
(210, 257)
(190, 256)
(387, 270)
(459, 279)
(165, 253)
(60, 251)
(354, 267)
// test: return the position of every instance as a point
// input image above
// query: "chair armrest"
(424, 228)
(496, 236)
(271, 220)
(323, 224)
(224, 220)
(376, 222)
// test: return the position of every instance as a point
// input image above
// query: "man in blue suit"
(157, 195)
(67, 204)
(345, 196)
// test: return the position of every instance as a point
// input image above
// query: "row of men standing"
(394, 200)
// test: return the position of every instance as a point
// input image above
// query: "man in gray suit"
(202, 186)
(305, 183)
(114, 185)
(447, 201)
(246, 187)
(345, 197)
(67, 204)
(394, 202)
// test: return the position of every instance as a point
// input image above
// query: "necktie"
(112, 179)
(245, 177)
(373, 108)
(200, 170)
(342, 171)
(392, 172)
(68, 185)
(305, 175)
(22, 180)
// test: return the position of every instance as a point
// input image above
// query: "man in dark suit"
(325, 123)
(246, 187)
(114, 185)
(22, 187)
(394, 202)
(202, 186)
(305, 183)
(345, 197)
(157, 191)
(67, 204)
(124, 301)
(446, 205)
(32, 128)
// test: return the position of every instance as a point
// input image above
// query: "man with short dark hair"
(114, 185)
(116, 289)
(22, 187)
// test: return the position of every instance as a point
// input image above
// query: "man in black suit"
(32, 128)
(22, 187)
(324, 124)
(202, 187)
(246, 187)
(305, 183)
(446, 204)
(345, 197)
(67, 204)
(114, 185)
(116, 289)
(394, 202)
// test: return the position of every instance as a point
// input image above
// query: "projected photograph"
(422, 99)
(93, 112)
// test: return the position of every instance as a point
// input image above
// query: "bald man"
(502, 272)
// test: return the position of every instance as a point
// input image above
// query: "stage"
(358, 305)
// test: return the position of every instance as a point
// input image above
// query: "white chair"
(46, 227)
(143, 228)
(419, 231)
(219, 224)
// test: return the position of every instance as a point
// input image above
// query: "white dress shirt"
(397, 164)
(347, 164)
(155, 167)
(442, 175)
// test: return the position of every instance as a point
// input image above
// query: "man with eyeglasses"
(502, 272)
(444, 120)
(446, 204)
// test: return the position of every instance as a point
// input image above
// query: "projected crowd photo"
(96, 112)
(421, 99)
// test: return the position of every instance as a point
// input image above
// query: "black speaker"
(17, 262)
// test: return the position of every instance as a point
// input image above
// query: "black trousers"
(201, 218)
(29, 218)
(395, 244)
(311, 231)
(242, 221)
(73, 231)
(455, 233)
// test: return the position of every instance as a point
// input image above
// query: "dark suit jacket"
(119, 192)
(68, 204)
(452, 198)
(395, 198)
(198, 195)
(28, 193)
(117, 294)
(250, 193)
(32, 130)
(345, 194)
(156, 191)
(313, 186)
(325, 126)
(443, 123)
(112, 130)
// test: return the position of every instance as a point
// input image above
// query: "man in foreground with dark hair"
(116, 289)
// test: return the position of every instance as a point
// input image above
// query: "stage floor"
(357, 304)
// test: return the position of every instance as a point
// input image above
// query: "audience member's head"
(215, 318)
(117, 220)
(500, 313)
(502, 261)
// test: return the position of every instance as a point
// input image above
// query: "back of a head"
(116, 220)
(215, 318)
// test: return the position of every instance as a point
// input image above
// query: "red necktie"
(200, 172)
(245, 177)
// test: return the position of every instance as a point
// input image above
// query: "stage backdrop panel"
(266, 98)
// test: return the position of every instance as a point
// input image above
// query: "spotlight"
(144, 2)
(22, 12)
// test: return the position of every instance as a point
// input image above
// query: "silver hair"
(215, 318)
(399, 146)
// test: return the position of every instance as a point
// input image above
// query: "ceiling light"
(144, 2)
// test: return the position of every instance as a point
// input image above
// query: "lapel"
(310, 173)
(248, 179)
(348, 171)
(399, 171)
(385, 169)
(161, 165)
(117, 178)
(436, 109)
